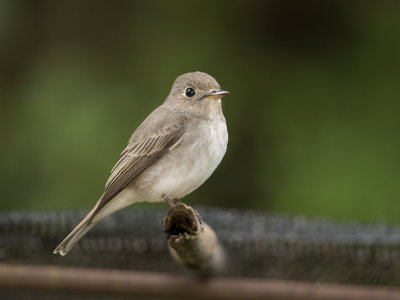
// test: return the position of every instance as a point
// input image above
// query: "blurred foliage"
(313, 113)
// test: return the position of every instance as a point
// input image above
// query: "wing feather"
(142, 151)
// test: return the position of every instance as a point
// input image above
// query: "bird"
(172, 152)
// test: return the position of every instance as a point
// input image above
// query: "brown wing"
(145, 147)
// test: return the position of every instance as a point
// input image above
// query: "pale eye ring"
(190, 92)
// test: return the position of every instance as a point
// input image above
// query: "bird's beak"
(217, 94)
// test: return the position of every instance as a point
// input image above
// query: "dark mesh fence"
(258, 245)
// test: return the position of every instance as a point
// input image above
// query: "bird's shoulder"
(161, 122)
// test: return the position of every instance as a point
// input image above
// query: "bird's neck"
(207, 110)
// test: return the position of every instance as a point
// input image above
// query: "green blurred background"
(313, 114)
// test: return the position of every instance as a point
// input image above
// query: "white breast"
(189, 164)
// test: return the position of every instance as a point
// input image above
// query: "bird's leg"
(172, 202)
(166, 199)
(176, 201)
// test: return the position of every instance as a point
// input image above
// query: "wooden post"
(193, 243)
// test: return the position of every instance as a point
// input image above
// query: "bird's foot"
(166, 199)
(176, 201)
(172, 202)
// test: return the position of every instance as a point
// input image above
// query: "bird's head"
(197, 91)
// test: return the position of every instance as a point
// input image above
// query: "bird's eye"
(189, 92)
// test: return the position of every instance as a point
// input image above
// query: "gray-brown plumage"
(170, 154)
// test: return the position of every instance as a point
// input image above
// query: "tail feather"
(79, 231)
(120, 201)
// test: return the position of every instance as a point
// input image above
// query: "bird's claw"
(199, 218)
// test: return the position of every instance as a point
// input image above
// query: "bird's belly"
(182, 179)
(186, 167)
